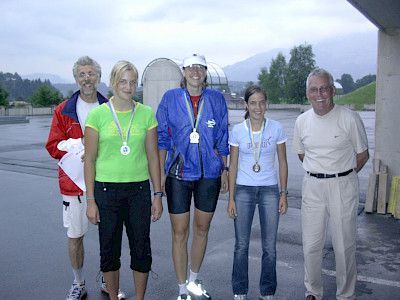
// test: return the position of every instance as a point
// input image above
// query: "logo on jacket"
(211, 123)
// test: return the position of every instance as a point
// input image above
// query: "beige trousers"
(333, 201)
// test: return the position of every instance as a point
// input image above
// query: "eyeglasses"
(193, 68)
(90, 75)
(322, 89)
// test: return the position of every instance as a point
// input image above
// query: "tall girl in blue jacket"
(193, 149)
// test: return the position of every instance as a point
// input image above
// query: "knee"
(180, 235)
(75, 242)
(201, 230)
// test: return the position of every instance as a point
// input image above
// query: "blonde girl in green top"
(121, 154)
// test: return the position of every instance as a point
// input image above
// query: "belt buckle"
(320, 175)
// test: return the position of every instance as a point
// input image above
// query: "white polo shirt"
(330, 142)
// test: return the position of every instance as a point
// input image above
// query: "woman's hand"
(156, 209)
(283, 205)
(92, 212)
(231, 209)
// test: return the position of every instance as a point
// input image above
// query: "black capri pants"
(119, 204)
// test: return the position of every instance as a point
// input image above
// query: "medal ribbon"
(198, 112)
(113, 112)
(251, 137)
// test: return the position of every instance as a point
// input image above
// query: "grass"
(359, 97)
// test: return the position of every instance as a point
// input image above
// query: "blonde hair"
(118, 69)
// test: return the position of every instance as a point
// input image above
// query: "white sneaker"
(184, 297)
(267, 297)
(78, 291)
(240, 297)
(195, 290)
(104, 290)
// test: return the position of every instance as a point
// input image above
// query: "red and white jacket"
(66, 125)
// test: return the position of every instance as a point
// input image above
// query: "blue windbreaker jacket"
(185, 160)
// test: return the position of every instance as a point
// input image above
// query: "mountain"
(65, 88)
(42, 76)
(354, 54)
(63, 85)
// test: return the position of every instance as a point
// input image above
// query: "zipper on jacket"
(200, 155)
(201, 160)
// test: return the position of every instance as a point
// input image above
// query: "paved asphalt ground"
(33, 245)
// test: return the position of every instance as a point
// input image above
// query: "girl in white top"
(253, 180)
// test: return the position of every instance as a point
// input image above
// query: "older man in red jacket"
(67, 129)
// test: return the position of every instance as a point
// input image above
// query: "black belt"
(319, 175)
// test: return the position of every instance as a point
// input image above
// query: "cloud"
(48, 36)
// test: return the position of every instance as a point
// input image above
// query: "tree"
(364, 81)
(276, 80)
(300, 65)
(347, 83)
(249, 83)
(3, 96)
(44, 96)
(263, 78)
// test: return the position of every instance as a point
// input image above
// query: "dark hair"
(253, 89)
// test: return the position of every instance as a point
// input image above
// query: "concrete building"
(385, 15)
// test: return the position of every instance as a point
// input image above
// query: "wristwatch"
(226, 169)
(161, 194)
(283, 192)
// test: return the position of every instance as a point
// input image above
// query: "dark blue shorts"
(119, 204)
(179, 194)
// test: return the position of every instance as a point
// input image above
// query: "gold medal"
(256, 168)
(256, 153)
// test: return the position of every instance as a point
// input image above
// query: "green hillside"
(359, 97)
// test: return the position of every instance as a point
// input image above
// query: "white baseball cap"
(194, 59)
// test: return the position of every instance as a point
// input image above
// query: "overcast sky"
(48, 36)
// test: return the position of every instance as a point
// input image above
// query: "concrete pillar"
(387, 121)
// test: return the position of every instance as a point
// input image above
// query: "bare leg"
(201, 225)
(76, 252)
(140, 281)
(180, 235)
(112, 281)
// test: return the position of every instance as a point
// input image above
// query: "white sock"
(193, 276)
(183, 289)
(78, 274)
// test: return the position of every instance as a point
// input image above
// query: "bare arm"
(91, 145)
(233, 170)
(301, 157)
(151, 145)
(162, 154)
(361, 158)
(283, 176)
(224, 178)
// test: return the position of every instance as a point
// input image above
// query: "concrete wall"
(160, 76)
(387, 121)
(27, 110)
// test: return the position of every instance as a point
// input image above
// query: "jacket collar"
(69, 109)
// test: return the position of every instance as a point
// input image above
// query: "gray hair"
(86, 61)
(319, 72)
